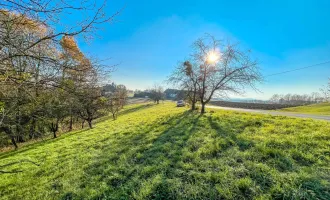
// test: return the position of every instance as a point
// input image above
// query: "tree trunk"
(122, 104)
(193, 105)
(90, 123)
(54, 128)
(203, 108)
(32, 128)
(14, 142)
(20, 139)
(71, 123)
(9, 133)
(82, 124)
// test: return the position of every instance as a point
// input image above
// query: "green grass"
(164, 152)
(318, 109)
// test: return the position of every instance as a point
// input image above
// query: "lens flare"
(213, 57)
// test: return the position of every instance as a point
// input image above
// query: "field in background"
(134, 100)
(319, 109)
(161, 151)
(258, 106)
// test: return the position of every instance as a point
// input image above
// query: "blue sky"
(149, 37)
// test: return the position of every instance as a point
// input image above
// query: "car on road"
(180, 103)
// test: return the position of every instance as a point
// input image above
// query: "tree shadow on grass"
(179, 156)
(139, 165)
(125, 112)
(140, 107)
(68, 134)
(227, 132)
(40, 144)
(164, 160)
(273, 157)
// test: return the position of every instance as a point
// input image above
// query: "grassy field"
(164, 152)
(318, 109)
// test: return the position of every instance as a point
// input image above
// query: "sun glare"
(213, 57)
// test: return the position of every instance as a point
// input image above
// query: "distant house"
(108, 89)
(170, 93)
(142, 94)
(174, 94)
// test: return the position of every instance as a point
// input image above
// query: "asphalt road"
(276, 113)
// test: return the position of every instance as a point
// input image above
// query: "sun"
(213, 57)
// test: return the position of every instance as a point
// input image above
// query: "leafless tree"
(185, 78)
(275, 98)
(326, 91)
(157, 93)
(114, 105)
(121, 94)
(117, 100)
(296, 99)
(222, 68)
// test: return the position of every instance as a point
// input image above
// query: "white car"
(180, 103)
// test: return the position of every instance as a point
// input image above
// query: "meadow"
(247, 105)
(164, 152)
(318, 109)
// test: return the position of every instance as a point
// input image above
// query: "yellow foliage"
(21, 22)
(71, 48)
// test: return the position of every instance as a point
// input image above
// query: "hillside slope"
(320, 109)
(164, 152)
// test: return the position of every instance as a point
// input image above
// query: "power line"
(298, 69)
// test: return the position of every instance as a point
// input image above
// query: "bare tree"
(222, 69)
(88, 92)
(157, 93)
(326, 91)
(114, 105)
(275, 98)
(116, 100)
(121, 94)
(185, 78)
(296, 99)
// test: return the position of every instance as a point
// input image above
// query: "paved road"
(277, 113)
